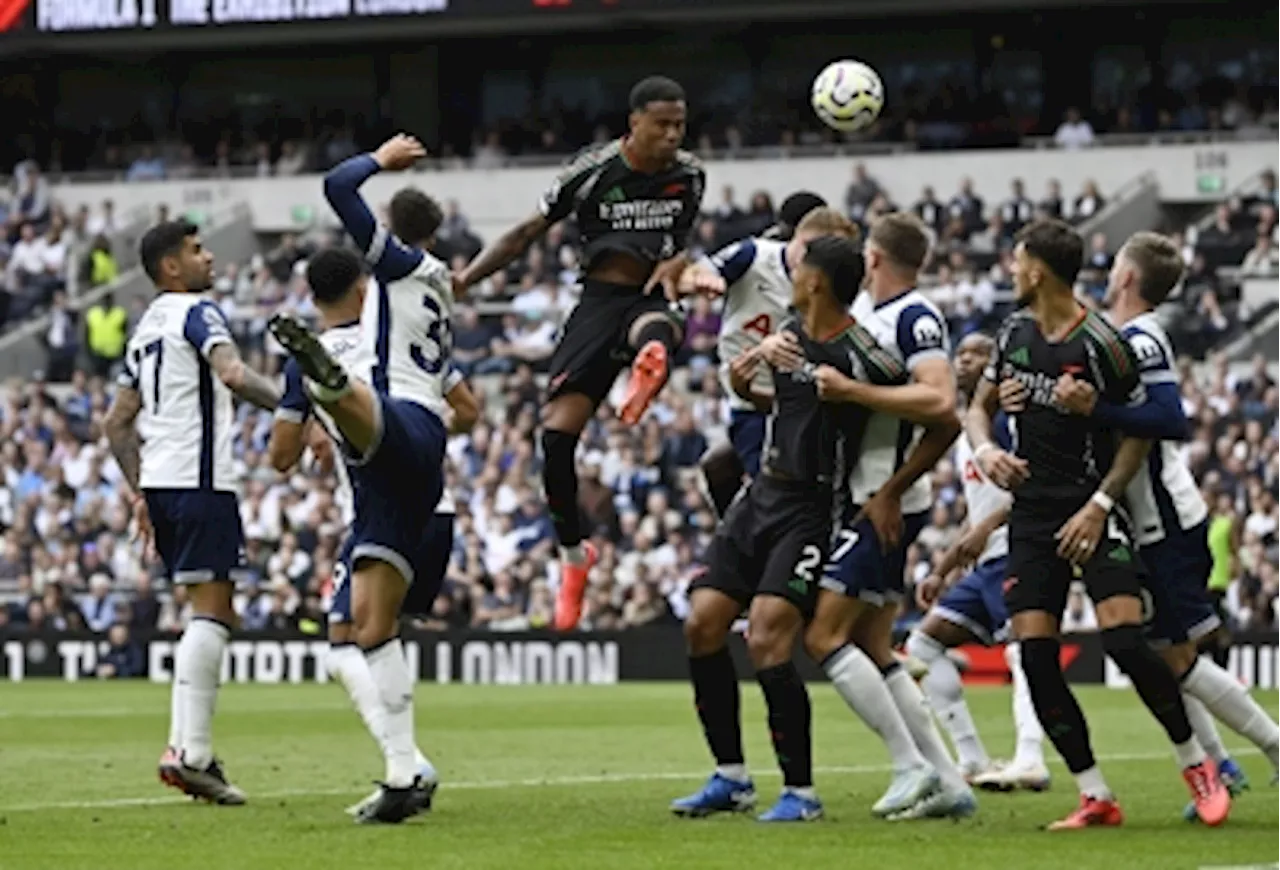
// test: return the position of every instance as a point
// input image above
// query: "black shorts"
(772, 541)
(594, 345)
(1037, 579)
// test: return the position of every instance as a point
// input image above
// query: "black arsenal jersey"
(620, 209)
(1067, 454)
(814, 441)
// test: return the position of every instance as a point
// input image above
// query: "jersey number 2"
(761, 325)
(437, 334)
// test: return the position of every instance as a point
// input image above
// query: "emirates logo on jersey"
(642, 214)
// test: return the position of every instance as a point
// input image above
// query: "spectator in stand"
(61, 340)
(106, 331)
(1051, 205)
(1074, 131)
(489, 153)
(103, 268)
(967, 208)
(32, 201)
(124, 658)
(100, 605)
(1263, 258)
(931, 212)
(103, 222)
(1097, 267)
(1017, 211)
(859, 194)
(292, 160)
(701, 334)
(1222, 243)
(1089, 203)
(725, 219)
(148, 166)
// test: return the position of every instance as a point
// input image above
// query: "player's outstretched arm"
(249, 385)
(930, 399)
(391, 259)
(502, 252)
(288, 429)
(122, 435)
(463, 403)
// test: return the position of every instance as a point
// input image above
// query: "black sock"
(1059, 713)
(1154, 681)
(715, 694)
(560, 480)
(787, 700)
(662, 329)
(722, 474)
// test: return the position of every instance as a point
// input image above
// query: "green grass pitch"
(555, 777)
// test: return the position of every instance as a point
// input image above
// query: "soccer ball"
(847, 96)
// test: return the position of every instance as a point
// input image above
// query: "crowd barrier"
(523, 658)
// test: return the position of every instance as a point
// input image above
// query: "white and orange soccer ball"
(847, 96)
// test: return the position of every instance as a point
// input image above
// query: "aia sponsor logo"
(11, 12)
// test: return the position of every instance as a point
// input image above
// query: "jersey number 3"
(761, 325)
(437, 334)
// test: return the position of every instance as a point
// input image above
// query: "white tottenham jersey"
(186, 418)
(406, 332)
(1163, 495)
(346, 345)
(912, 329)
(982, 497)
(755, 302)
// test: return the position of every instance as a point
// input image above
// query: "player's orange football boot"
(1092, 813)
(648, 374)
(1212, 800)
(573, 586)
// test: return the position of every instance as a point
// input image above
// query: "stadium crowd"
(66, 561)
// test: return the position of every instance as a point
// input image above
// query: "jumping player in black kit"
(1069, 474)
(769, 549)
(636, 200)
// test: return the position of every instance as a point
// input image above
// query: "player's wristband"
(1104, 501)
(983, 449)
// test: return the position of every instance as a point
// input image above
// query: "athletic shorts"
(430, 561)
(594, 345)
(397, 485)
(861, 568)
(772, 541)
(198, 534)
(746, 433)
(976, 602)
(1178, 569)
(1038, 579)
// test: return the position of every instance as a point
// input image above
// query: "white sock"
(910, 702)
(196, 668)
(1030, 751)
(177, 701)
(574, 555)
(857, 679)
(1190, 753)
(1223, 695)
(807, 792)
(942, 687)
(1206, 731)
(395, 686)
(1092, 784)
(735, 772)
(349, 666)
